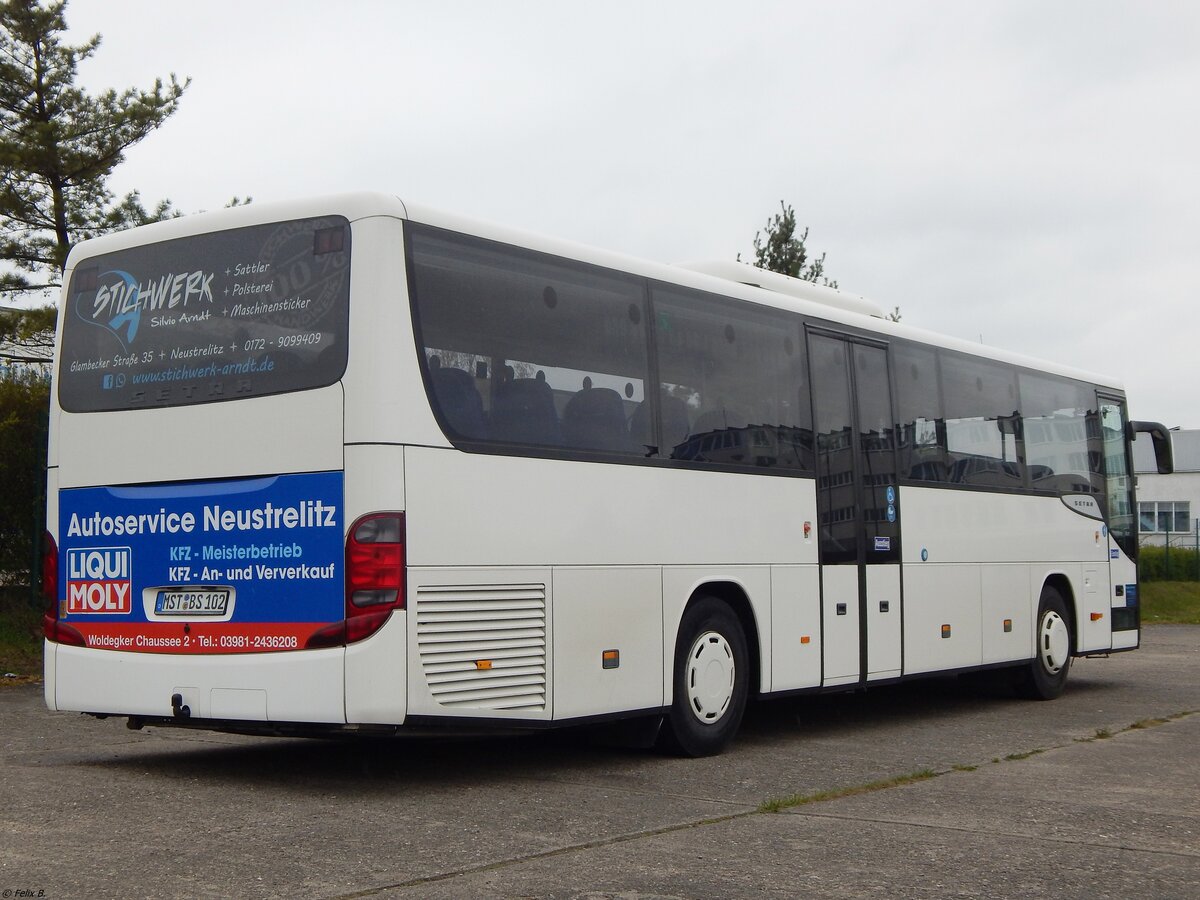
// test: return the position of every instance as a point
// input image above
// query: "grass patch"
(1147, 723)
(1173, 602)
(781, 803)
(1014, 757)
(20, 636)
(1152, 722)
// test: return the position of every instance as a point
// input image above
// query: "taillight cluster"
(374, 579)
(52, 628)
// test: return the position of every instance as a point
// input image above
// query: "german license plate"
(194, 602)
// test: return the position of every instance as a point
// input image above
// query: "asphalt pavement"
(933, 789)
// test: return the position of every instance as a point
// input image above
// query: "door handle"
(884, 606)
(841, 609)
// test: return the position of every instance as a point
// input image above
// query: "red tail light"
(374, 579)
(375, 564)
(54, 630)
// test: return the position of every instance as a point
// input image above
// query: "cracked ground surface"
(1016, 798)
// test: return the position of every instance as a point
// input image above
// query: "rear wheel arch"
(715, 668)
(735, 597)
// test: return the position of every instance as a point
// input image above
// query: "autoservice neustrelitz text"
(306, 514)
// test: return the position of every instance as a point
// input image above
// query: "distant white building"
(1169, 505)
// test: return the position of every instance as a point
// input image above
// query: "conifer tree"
(59, 145)
(782, 251)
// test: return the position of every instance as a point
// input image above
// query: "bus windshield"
(240, 313)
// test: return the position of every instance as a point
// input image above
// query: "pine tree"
(27, 335)
(59, 145)
(783, 252)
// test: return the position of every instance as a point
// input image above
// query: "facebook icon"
(107, 383)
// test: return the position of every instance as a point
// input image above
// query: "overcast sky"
(1026, 174)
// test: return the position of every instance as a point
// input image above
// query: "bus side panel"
(841, 624)
(949, 534)
(303, 686)
(942, 618)
(376, 680)
(1094, 609)
(594, 609)
(376, 675)
(469, 509)
(965, 526)
(1007, 625)
(466, 510)
(385, 394)
(796, 631)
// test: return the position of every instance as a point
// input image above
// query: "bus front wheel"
(1046, 675)
(711, 680)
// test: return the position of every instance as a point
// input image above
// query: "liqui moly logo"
(99, 581)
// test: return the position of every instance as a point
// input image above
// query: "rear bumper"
(296, 686)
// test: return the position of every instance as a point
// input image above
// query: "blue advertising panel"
(243, 565)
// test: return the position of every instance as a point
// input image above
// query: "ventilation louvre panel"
(457, 625)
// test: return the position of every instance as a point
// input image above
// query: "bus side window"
(919, 414)
(675, 424)
(982, 424)
(594, 419)
(458, 400)
(1060, 429)
(524, 413)
(743, 371)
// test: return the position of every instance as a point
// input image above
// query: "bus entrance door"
(858, 510)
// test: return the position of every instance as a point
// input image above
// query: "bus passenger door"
(857, 508)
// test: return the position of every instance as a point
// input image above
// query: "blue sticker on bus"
(883, 543)
(1114, 554)
(243, 565)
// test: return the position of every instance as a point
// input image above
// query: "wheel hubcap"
(1054, 642)
(710, 677)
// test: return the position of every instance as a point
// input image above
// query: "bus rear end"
(205, 514)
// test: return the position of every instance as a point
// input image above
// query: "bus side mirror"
(1161, 438)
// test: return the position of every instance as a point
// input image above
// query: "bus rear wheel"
(711, 680)
(1046, 675)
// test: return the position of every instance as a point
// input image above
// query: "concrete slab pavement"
(91, 809)
(1116, 817)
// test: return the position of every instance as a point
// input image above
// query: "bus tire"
(711, 681)
(1046, 675)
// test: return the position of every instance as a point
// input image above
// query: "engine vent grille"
(484, 646)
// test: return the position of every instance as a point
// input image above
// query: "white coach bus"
(351, 464)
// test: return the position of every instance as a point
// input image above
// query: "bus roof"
(811, 300)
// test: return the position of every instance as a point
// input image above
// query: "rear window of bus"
(239, 313)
